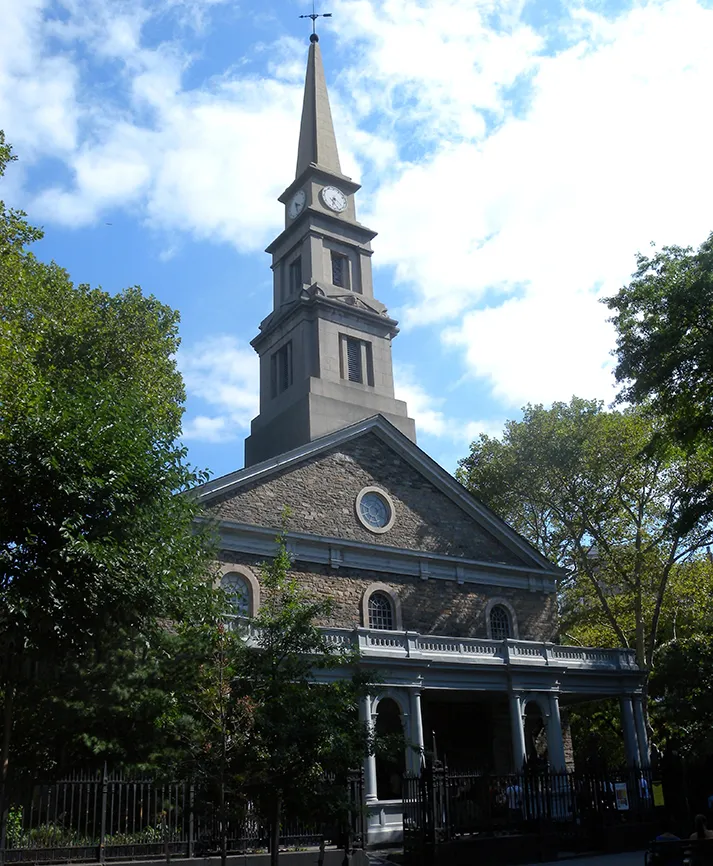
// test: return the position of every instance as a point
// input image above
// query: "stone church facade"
(453, 609)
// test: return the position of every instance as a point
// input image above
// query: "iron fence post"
(191, 819)
(3, 829)
(102, 829)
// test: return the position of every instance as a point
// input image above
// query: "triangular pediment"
(319, 484)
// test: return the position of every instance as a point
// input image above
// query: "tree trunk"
(275, 831)
(5, 756)
(223, 828)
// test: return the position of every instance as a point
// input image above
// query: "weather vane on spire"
(314, 16)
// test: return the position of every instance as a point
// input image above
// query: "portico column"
(641, 733)
(370, 761)
(416, 731)
(631, 744)
(518, 732)
(555, 740)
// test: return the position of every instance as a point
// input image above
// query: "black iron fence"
(441, 805)
(107, 817)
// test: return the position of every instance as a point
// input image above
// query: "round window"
(375, 509)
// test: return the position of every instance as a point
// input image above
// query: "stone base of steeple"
(324, 410)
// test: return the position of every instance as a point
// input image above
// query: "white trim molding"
(389, 502)
(395, 602)
(227, 568)
(503, 602)
(399, 698)
(340, 552)
(540, 699)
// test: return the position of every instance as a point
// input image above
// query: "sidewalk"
(626, 858)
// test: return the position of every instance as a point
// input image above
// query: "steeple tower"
(318, 143)
(325, 349)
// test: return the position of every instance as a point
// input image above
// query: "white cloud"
(422, 407)
(209, 161)
(223, 373)
(511, 183)
(203, 428)
(517, 233)
(427, 411)
(473, 429)
(38, 90)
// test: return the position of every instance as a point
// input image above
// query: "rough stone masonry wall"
(428, 606)
(321, 495)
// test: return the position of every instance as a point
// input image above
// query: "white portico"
(412, 666)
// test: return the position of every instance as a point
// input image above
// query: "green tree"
(687, 608)
(664, 322)
(93, 538)
(222, 720)
(682, 694)
(600, 493)
(128, 700)
(303, 695)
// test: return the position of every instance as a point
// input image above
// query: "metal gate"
(570, 810)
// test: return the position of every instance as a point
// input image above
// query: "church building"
(453, 608)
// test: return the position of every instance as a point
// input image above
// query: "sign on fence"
(658, 794)
(622, 796)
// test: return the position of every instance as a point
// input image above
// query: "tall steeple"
(325, 349)
(318, 144)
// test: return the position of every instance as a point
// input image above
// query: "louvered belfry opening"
(354, 363)
(339, 270)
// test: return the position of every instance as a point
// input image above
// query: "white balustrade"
(480, 651)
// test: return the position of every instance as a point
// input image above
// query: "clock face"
(334, 198)
(297, 204)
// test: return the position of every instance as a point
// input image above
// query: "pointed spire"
(318, 143)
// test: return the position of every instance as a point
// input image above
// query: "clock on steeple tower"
(325, 349)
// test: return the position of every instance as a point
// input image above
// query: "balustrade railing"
(473, 650)
(405, 644)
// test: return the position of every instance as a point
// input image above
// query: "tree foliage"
(97, 550)
(682, 694)
(602, 494)
(664, 322)
(304, 696)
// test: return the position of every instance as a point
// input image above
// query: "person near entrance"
(513, 797)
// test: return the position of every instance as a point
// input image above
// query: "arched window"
(381, 612)
(237, 589)
(500, 627)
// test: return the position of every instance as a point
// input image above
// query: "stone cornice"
(342, 553)
(317, 216)
(323, 175)
(314, 301)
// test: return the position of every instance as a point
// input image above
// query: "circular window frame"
(377, 530)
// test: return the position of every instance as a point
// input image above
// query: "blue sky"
(514, 156)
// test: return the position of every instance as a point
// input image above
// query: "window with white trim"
(500, 626)
(381, 612)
